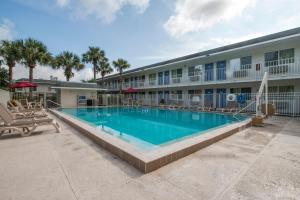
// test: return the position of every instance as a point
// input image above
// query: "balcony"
(176, 80)
(284, 68)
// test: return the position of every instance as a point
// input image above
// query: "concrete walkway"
(258, 163)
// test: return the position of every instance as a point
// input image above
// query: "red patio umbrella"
(23, 84)
(130, 90)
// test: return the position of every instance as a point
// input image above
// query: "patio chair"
(19, 115)
(21, 108)
(24, 126)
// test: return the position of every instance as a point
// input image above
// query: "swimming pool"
(148, 127)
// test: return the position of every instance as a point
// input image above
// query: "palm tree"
(67, 61)
(33, 53)
(104, 69)
(95, 56)
(11, 52)
(120, 65)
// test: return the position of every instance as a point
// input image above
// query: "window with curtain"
(194, 70)
(271, 58)
(246, 62)
(176, 73)
(152, 77)
(286, 56)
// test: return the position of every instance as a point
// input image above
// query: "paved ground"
(258, 163)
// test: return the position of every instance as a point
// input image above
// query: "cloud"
(192, 16)
(44, 72)
(6, 30)
(62, 3)
(192, 44)
(106, 10)
(290, 21)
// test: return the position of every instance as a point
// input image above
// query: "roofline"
(231, 47)
(54, 81)
(78, 88)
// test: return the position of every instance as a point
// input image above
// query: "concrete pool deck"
(148, 160)
(257, 163)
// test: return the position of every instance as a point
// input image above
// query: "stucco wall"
(4, 96)
(68, 97)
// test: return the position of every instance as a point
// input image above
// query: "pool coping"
(150, 160)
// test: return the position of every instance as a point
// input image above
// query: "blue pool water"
(150, 125)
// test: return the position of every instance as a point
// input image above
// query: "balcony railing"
(276, 69)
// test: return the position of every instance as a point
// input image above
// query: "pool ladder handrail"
(238, 112)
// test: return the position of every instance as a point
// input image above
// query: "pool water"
(152, 126)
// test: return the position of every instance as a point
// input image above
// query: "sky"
(141, 31)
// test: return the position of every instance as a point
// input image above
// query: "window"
(246, 90)
(152, 79)
(281, 89)
(240, 90)
(284, 56)
(179, 94)
(177, 73)
(234, 90)
(176, 95)
(235, 63)
(246, 62)
(194, 70)
(273, 89)
(286, 89)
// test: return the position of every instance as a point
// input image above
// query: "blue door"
(161, 99)
(221, 98)
(167, 96)
(209, 98)
(167, 78)
(221, 70)
(160, 78)
(209, 72)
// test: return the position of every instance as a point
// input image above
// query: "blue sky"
(141, 31)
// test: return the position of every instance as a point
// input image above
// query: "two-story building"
(213, 74)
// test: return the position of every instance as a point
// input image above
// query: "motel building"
(218, 78)
(55, 93)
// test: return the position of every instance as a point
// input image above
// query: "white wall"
(4, 96)
(68, 97)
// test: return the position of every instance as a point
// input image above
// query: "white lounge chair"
(24, 126)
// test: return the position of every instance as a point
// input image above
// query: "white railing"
(276, 69)
(176, 80)
(287, 104)
(264, 85)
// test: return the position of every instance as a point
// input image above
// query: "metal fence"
(35, 97)
(287, 104)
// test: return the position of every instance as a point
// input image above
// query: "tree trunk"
(30, 74)
(95, 72)
(121, 80)
(10, 72)
(30, 80)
